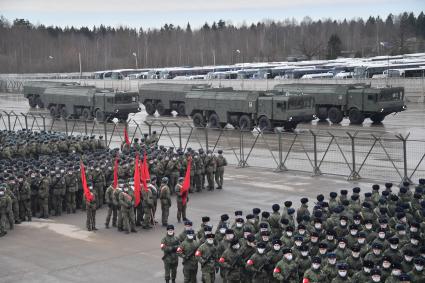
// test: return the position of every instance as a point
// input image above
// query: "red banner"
(136, 182)
(186, 182)
(115, 184)
(127, 140)
(87, 193)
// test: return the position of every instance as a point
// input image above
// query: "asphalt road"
(61, 250)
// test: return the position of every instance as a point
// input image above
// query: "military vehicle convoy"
(245, 109)
(85, 102)
(355, 101)
(164, 97)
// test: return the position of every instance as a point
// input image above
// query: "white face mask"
(343, 222)
(332, 260)
(353, 232)
(396, 272)
(355, 254)
(260, 251)
(357, 222)
(419, 267)
(376, 278)
(190, 237)
(368, 226)
(316, 266)
(239, 225)
(304, 253)
(222, 230)
(170, 233)
(377, 252)
(361, 240)
(230, 236)
(314, 239)
(302, 231)
(414, 241)
(318, 226)
(367, 270)
(330, 238)
(342, 273)
(413, 229)
(265, 238)
(386, 264)
(408, 258)
(381, 235)
(402, 232)
(322, 251)
(288, 256)
(289, 234)
(252, 221)
(341, 245)
(298, 243)
(210, 241)
(236, 247)
(276, 247)
(394, 247)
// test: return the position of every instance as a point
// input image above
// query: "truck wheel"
(198, 120)
(264, 124)
(64, 113)
(356, 117)
(322, 113)
(86, 115)
(53, 111)
(150, 108)
(335, 115)
(40, 103)
(181, 109)
(214, 121)
(245, 123)
(377, 119)
(32, 101)
(100, 115)
(160, 108)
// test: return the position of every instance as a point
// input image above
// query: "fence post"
(316, 169)
(206, 139)
(404, 141)
(281, 167)
(8, 120)
(66, 125)
(26, 120)
(354, 175)
(180, 135)
(85, 127)
(106, 133)
(44, 123)
(242, 162)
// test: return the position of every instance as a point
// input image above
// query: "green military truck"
(355, 101)
(85, 102)
(166, 97)
(246, 109)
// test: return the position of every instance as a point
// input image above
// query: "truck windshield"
(297, 102)
(124, 99)
(388, 96)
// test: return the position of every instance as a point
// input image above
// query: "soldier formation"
(377, 237)
(40, 176)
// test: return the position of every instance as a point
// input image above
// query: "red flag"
(86, 190)
(146, 167)
(127, 140)
(186, 182)
(136, 182)
(115, 184)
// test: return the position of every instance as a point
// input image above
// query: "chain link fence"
(353, 155)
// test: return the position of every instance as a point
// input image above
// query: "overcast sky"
(155, 13)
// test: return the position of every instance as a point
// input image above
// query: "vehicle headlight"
(382, 110)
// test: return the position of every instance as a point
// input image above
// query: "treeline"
(25, 47)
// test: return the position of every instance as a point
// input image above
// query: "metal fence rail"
(353, 155)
